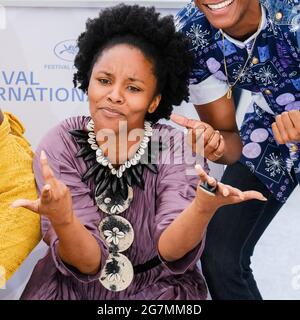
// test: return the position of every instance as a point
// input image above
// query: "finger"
(32, 205)
(295, 118)
(234, 191)
(254, 195)
(46, 194)
(202, 174)
(208, 134)
(276, 133)
(281, 128)
(289, 126)
(213, 143)
(47, 172)
(221, 148)
(217, 154)
(223, 189)
(204, 177)
(185, 122)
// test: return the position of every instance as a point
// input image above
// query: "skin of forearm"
(1, 117)
(78, 247)
(233, 148)
(185, 232)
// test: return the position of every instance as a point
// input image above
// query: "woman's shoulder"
(73, 123)
(58, 137)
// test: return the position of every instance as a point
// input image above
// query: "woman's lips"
(111, 112)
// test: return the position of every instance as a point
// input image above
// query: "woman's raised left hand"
(223, 194)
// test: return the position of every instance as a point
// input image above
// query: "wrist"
(204, 206)
(62, 222)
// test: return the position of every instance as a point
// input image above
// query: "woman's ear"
(154, 104)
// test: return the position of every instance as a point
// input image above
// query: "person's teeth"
(220, 5)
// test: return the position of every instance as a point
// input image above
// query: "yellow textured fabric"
(19, 228)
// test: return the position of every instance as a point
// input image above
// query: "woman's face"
(122, 88)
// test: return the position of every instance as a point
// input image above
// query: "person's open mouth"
(220, 5)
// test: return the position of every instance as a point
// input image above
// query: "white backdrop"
(36, 69)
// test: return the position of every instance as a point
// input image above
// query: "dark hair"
(155, 36)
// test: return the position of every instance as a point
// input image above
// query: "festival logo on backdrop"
(66, 50)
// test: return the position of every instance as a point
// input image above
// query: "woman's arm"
(188, 229)
(77, 246)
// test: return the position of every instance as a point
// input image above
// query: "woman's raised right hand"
(55, 201)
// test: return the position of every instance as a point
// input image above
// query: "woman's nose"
(115, 95)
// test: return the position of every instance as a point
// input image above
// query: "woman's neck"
(119, 149)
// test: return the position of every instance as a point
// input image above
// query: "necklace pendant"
(112, 202)
(229, 93)
(117, 274)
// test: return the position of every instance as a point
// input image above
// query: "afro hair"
(154, 35)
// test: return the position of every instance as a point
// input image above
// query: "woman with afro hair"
(121, 210)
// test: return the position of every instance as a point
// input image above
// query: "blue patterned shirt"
(273, 73)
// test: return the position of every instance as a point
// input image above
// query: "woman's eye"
(134, 89)
(104, 81)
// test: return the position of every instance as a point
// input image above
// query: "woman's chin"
(111, 124)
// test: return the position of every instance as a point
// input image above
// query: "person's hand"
(55, 202)
(204, 140)
(224, 194)
(286, 127)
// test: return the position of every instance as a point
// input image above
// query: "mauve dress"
(165, 196)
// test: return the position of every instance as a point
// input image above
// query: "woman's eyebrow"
(105, 72)
(135, 80)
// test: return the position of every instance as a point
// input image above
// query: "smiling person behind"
(115, 229)
(251, 45)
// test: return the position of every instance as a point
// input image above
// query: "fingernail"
(14, 204)
(43, 155)
(198, 167)
(264, 199)
(211, 181)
